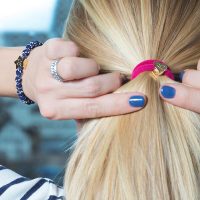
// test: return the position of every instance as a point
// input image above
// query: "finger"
(191, 77)
(182, 96)
(91, 87)
(73, 68)
(107, 105)
(58, 48)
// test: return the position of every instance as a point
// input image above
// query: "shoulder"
(15, 186)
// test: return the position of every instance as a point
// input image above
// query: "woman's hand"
(186, 95)
(84, 94)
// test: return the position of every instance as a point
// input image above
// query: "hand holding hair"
(82, 93)
(186, 94)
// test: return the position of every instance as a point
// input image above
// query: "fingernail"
(179, 76)
(168, 92)
(137, 101)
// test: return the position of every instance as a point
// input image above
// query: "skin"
(85, 93)
(188, 92)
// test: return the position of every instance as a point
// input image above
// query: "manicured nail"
(137, 101)
(168, 92)
(179, 76)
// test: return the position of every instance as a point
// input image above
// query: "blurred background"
(30, 144)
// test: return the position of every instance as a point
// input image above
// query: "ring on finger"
(54, 71)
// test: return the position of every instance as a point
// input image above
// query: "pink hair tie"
(156, 66)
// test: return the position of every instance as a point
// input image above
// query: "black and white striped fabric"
(16, 187)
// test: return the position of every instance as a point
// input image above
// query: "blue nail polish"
(168, 92)
(137, 101)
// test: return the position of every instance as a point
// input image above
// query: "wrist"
(21, 64)
(8, 70)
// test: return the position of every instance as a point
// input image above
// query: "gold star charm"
(159, 69)
(19, 62)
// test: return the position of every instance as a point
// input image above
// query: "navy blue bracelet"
(20, 62)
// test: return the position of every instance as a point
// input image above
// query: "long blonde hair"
(152, 154)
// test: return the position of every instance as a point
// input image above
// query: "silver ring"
(54, 72)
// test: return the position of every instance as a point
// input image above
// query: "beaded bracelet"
(21, 64)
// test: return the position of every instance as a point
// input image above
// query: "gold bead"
(25, 63)
(159, 69)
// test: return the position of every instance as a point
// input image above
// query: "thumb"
(181, 95)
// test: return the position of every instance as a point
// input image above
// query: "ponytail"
(154, 153)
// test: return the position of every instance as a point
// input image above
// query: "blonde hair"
(152, 154)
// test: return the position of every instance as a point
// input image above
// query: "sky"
(26, 15)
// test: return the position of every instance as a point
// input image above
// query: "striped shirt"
(16, 187)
